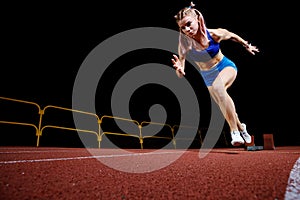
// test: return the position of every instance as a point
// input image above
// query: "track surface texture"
(79, 173)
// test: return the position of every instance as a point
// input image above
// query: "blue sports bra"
(208, 53)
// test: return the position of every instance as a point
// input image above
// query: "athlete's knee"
(219, 93)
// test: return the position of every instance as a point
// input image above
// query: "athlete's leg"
(218, 91)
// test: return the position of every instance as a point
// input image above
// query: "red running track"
(75, 173)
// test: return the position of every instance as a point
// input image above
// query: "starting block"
(268, 143)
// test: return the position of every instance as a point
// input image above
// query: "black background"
(44, 44)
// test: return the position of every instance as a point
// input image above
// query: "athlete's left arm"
(223, 34)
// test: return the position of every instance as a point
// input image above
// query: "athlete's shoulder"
(218, 34)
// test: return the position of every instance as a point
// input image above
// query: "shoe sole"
(237, 144)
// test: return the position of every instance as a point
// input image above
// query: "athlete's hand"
(251, 49)
(177, 65)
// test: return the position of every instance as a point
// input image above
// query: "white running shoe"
(237, 140)
(245, 134)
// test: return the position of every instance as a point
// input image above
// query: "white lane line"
(293, 187)
(85, 157)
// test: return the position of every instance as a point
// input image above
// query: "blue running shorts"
(209, 76)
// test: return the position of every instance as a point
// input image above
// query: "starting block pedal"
(268, 142)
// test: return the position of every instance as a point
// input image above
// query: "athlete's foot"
(237, 140)
(245, 134)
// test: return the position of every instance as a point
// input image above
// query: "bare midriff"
(211, 63)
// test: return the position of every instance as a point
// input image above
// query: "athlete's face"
(189, 25)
